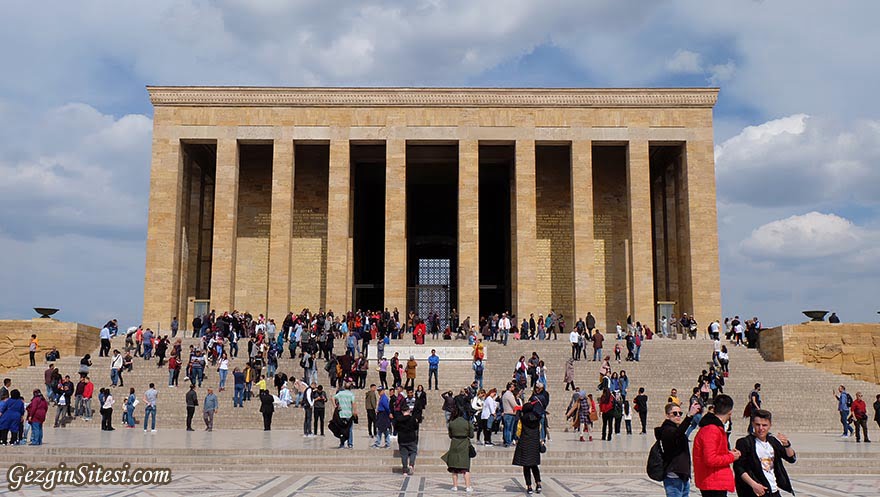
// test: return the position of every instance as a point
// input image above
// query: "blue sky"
(797, 125)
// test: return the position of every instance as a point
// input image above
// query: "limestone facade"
(71, 339)
(585, 223)
(851, 349)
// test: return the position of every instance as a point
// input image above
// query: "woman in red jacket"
(36, 415)
(712, 455)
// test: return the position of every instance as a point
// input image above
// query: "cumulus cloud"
(685, 61)
(74, 170)
(800, 160)
(812, 235)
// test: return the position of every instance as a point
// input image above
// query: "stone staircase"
(799, 397)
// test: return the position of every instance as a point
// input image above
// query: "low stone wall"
(851, 349)
(70, 339)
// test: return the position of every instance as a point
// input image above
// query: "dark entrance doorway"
(496, 163)
(432, 228)
(368, 219)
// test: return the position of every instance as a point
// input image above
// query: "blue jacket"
(433, 361)
(383, 405)
(10, 414)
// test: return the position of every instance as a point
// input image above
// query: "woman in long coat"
(528, 448)
(458, 457)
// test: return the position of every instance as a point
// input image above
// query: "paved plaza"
(246, 465)
(335, 485)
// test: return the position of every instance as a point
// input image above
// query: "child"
(627, 417)
(617, 352)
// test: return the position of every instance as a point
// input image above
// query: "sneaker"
(454, 489)
(538, 488)
(469, 490)
(529, 491)
(582, 439)
(154, 431)
(489, 444)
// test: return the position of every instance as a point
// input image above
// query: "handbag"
(594, 416)
(472, 452)
(135, 403)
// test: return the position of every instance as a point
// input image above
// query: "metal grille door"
(431, 294)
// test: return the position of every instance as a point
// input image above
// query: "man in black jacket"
(676, 454)
(192, 400)
(759, 472)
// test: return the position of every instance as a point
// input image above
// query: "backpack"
(849, 399)
(656, 466)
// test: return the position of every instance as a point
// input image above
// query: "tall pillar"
(469, 230)
(162, 280)
(641, 261)
(525, 230)
(395, 225)
(338, 226)
(700, 244)
(225, 226)
(281, 229)
(582, 216)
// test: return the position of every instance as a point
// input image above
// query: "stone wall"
(611, 229)
(851, 349)
(70, 339)
(309, 247)
(555, 241)
(254, 223)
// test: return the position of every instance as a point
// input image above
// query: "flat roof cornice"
(242, 96)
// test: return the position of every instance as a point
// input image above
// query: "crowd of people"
(517, 411)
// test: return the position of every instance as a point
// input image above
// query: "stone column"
(338, 221)
(162, 280)
(281, 229)
(469, 230)
(525, 231)
(395, 225)
(638, 182)
(700, 244)
(225, 227)
(582, 216)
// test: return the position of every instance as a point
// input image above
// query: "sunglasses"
(676, 413)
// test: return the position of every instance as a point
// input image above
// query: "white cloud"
(812, 235)
(721, 73)
(73, 169)
(684, 62)
(801, 161)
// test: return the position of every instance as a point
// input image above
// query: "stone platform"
(71, 339)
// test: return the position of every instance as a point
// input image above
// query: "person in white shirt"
(504, 326)
(759, 471)
(574, 338)
(487, 417)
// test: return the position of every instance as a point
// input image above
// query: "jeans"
(114, 376)
(237, 396)
(319, 421)
(197, 375)
(379, 435)
(509, 425)
(694, 424)
(170, 377)
(270, 370)
(307, 420)
(504, 336)
(150, 410)
(36, 433)
(129, 416)
(847, 428)
(638, 350)
(223, 374)
(433, 372)
(148, 352)
(676, 487)
(233, 349)
(87, 408)
(597, 354)
(479, 379)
